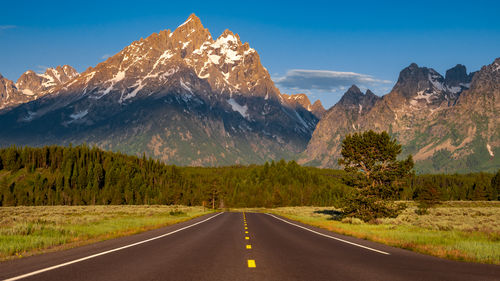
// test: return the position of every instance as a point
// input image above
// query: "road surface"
(240, 246)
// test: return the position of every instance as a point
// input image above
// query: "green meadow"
(30, 230)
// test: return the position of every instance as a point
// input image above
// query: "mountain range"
(182, 97)
(187, 98)
(449, 124)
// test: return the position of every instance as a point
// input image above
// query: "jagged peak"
(228, 37)
(456, 75)
(192, 27)
(355, 96)
(413, 74)
(300, 98)
(413, 66)
(228, 33)
(354, 90)
(318, 103)
(318, 109)
(369, 93)
(192, 20)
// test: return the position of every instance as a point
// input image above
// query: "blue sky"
(306, 46)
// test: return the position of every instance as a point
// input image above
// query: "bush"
(370, 208)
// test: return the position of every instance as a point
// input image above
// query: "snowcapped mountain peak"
(33, 84)
(229, 38)
(229, 67)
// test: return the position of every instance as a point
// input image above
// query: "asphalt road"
(215, 247)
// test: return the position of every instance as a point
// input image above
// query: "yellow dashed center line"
(251, 263)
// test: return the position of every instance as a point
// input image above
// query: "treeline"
(474, 186)
(82, 175)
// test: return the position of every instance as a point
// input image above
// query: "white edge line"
(106, 252)
(328, 236)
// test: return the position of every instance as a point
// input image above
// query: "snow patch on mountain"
(132, 94)
(227, 45)
(454, 90)
(490, 151)
(185, 86)
(243, 110)
(28, 92)
(79, 115)
(433, 78)
(165, 56)
(214, 58)
(188, 20)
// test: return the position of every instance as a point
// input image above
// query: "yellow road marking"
(251, 263)
(247, 238)
(246, 232)
(246, 227)
(249, 246)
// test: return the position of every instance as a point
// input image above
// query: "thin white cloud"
(105, 56)
(326, 80)
(4, 28)
(40, 69)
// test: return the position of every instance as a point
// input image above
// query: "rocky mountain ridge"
(31, 86)
(448, 123)
(301, 101)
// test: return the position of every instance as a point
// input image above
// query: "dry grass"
(26, 231)
(467, 231)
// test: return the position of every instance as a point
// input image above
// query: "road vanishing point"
(240, 246)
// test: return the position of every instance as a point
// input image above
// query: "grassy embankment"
(26, 231)
(466, 231)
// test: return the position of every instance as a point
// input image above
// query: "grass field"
(30, 230)
(466, 231)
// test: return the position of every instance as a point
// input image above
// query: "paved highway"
(240, 246)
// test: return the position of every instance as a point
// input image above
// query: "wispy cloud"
(326, 80)
(4, 27)
(41, 69)
(105, 56)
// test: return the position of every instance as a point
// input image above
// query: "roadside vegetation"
(25, 231)
(465, 231)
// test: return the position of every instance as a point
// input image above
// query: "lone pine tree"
(370, 160)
